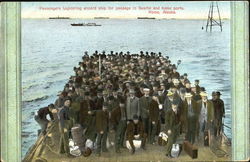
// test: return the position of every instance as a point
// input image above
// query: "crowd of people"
(135, 97)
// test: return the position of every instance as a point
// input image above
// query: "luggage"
(161, 142)
(190, 149)
(206, 140)
(162, 139)
(77, 135)
(176, 150)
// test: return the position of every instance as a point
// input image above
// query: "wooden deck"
(47, 152)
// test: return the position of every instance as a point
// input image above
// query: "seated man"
(135, 131)
(172, 127)
(41, 118)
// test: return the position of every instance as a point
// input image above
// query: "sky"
(119, 9)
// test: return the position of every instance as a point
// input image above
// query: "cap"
(203, 94)
(218, 93)
(51, 105)
(214, 93)
(67, 98)
(170, 93)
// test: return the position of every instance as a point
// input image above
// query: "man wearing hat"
(172, 127)
(191, 117)
(135, 131)
(206, 115)
(64, 127)
(196, 83)
(86, 119)
(144, 103)
(154, 113)
(219, 112)
(168, 101)
(118, 124)
(60, 100)
(132, 105)
(174, 73)
(196, 95)
(41, 118)
(102, 122)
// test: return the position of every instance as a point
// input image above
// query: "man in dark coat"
(219, 112)
(119, 123)
(102, 122)
(154, 114)
(41, 118)
(86, 119)
(172, 127)
(64, 127)
(191, 117)
(144, 103)
(135, 131)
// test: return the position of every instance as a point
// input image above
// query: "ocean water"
(51, 48)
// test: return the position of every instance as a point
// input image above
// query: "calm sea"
(51, 48)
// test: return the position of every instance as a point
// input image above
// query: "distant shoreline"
(126, 19)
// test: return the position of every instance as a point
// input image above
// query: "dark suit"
(135, 129)
(191, 117)
(173, 124)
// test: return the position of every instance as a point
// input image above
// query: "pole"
(100, 66)
(208, 17)
(219, 16)
(211, 18)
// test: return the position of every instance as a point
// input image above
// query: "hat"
(202, 89)
(135, 117)
(203, 94)
(188, 95)
(67, 98)
(170, 93)
(51, 105)
(196, 80)
(181, 77)
(185, 74)
(87, 152)
(146, 89)
(214, 93)
(218, 93)
(193, 86)
(175, 81)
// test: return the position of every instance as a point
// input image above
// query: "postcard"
(124, 81)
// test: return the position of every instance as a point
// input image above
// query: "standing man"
(190, 109)
(172, 127)
(219, 113)
(119, 123)
(154, 114)
(102, 118)
(41, 118)
(132, 105)
(144, 102)
(206, 115)
(135, 131)
(63, 117)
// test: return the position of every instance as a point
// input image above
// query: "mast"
(100, 66)
(210, 19)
